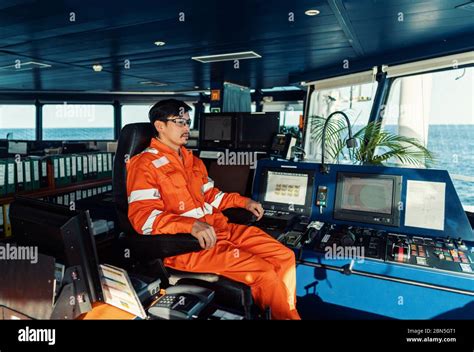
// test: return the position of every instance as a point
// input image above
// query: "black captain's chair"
(150, 250)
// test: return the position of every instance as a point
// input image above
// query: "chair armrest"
(148, 247)
(239, 216)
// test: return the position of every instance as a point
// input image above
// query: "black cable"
(351, 143)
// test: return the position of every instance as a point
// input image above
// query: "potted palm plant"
(375, 146)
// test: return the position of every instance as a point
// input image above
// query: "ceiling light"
(312, 12)
(227, 57)
(97, 67)
(153, 83)
(24, 66)
(159, 43)
(196, 87)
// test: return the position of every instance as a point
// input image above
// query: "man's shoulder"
(144, 158)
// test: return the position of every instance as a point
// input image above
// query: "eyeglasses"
(180, 121)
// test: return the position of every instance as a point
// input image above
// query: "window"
(354, 100)
(289, 112)
(139, 113)
(18, 122)
(437, 109)
(135, 113)
(78, 122)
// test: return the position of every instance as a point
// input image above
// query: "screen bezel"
(298, 209)
(392, 219)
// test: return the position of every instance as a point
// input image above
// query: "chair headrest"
(134, 138)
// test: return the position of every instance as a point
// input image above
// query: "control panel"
(447, 254)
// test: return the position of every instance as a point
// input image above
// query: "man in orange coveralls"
(170, 192)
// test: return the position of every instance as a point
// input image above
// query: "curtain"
(236, 99)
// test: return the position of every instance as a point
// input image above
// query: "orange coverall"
(166, 195)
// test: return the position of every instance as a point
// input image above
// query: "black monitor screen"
(218, 128)
(368, 198)
(257, 130)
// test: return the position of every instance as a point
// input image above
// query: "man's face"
(175, 131)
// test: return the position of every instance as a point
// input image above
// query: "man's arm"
(146, 209)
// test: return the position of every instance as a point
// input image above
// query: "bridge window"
(289, 113)
(18, 122)
(132, 113)
(78, 122)
(355, 100)
(437, 109)
(135, 113)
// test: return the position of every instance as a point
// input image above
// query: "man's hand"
(255, 208)
(205, 234)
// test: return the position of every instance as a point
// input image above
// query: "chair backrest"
(134, 138)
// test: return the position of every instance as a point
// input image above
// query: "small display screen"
(286, 188)
(367, 194)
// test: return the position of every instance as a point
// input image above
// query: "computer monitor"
(287, 190)
(217, 130)
(63, 234)
(368, 198)
(256, 131)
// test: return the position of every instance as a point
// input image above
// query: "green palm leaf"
(375, 145)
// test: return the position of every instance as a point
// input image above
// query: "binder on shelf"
(85, 160)
(35, 172)
(80, 175)
(110, 162)
(67, 160)
(62, 170)
(100, 166)
(3, 177)
(55, 161)
(20, 180)
(105, 164)
(2, 228)
(27, 173)
(94, 166)
(11, 176)
(44, 173)
(73, 168)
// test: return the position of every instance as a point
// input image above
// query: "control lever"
(347, 269)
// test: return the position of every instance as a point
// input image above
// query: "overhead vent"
(244, 55)
(153, 83)
(24, 66)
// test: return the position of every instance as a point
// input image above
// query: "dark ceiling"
(112, 31)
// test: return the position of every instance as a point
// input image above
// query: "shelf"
(44, 192)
